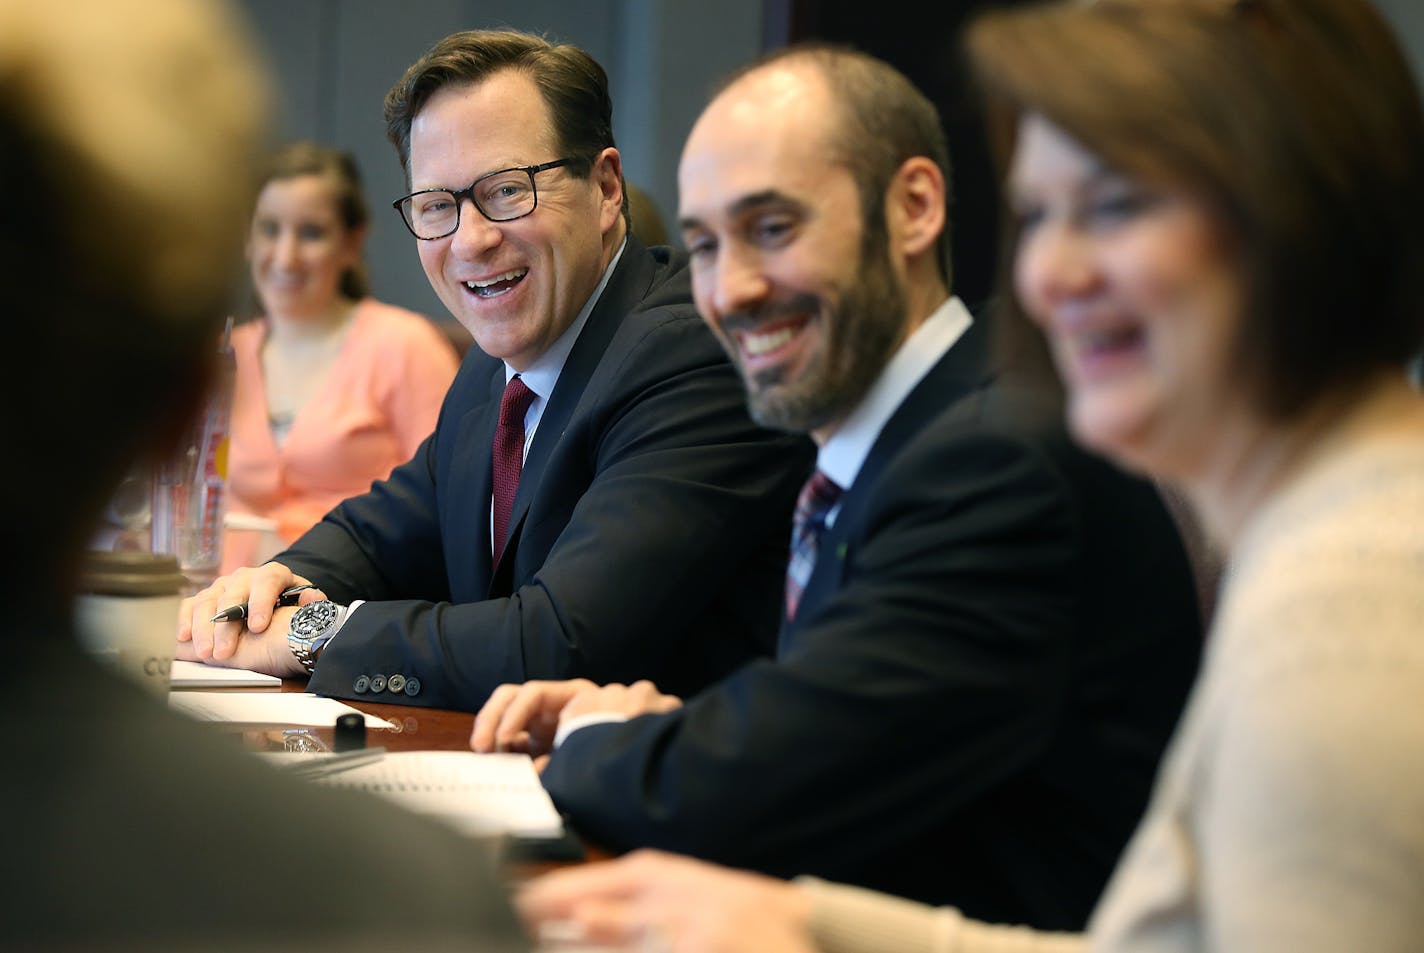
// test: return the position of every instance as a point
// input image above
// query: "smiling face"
(515, 286)
(1137, 293)
(802, 295)
(298, 247)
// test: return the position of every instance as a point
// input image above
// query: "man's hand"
(526, 717)
(261, 643)
(653, 900)
(629, 701)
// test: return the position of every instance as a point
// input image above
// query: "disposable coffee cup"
(126, 614)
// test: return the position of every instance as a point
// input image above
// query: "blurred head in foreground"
(128, 129)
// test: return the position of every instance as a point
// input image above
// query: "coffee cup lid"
(130, 573)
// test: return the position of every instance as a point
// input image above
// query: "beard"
(859, 333)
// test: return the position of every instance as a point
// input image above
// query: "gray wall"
(333, 61)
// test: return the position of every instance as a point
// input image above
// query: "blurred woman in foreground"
(1218, 222)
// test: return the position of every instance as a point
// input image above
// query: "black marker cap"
(350, 732)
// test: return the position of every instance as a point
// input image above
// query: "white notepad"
(267, 708)
(478, 793)
(186, 675)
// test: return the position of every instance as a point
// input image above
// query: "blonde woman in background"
(334, 388)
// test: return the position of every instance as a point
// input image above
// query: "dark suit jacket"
(130, 828)
(969, 707)
(647, 539)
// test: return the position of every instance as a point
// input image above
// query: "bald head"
(813, 256)
(766, 132)
(787, 93)
(853, 109)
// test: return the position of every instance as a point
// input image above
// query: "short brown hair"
(573, 84)
(1297, 122)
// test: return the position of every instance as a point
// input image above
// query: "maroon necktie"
(818, 497)
(508, 455)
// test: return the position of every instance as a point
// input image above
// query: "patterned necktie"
(508, 455)
(817, 497)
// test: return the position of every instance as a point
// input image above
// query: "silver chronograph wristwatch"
(312, 627)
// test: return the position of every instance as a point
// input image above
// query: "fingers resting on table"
(526, 717)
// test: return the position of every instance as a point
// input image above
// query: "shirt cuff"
(341, 617)
(336, 629)
(568, 727)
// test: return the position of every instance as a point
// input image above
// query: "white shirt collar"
(842, 456)
(543, 374)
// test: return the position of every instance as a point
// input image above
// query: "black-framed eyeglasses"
(501, 196)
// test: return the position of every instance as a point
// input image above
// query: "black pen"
(288, 597)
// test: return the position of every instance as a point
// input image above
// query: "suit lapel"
(626, 287)
(958, 372)
(477, 433)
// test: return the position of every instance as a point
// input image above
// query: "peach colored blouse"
(378, 402)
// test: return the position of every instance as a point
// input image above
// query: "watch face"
(313, 618)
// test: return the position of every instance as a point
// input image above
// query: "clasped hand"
(260, 644)
(527, 717)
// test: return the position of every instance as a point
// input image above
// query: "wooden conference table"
(416, 729)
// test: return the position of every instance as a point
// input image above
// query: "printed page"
(478, 793)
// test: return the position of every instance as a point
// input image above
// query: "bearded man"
(988, 633)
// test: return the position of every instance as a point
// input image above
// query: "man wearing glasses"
(595, 500)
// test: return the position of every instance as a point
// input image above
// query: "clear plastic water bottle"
(189, 488)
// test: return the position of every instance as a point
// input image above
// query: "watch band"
(311, 628)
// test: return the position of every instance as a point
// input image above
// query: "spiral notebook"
(478, 793)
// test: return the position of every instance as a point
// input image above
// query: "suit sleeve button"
(361, 685)
(412, 686)
(378, 683)
(395, 684)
